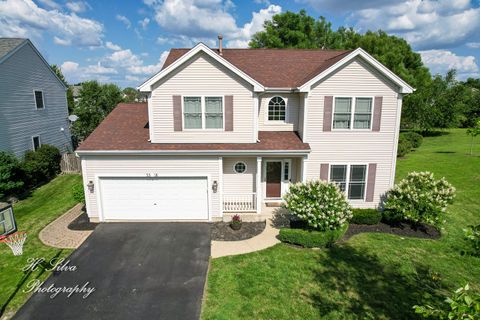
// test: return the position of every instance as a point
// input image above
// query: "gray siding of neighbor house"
(21, 74)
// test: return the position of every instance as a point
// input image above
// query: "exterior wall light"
(215, 186)
(90, 186)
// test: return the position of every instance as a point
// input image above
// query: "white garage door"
(178, 198)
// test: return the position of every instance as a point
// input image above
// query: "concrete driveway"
(137, 271)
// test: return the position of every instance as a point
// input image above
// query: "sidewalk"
(266, 239)
(57, 234)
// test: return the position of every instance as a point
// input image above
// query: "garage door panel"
(179, 198)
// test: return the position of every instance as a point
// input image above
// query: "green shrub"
(472, 235)
(366, 216)
(404, 146)
(11, 175)
(311, 238)
(78, 193)
(461, 305)
(419, 198)
(321, 204)
(42, 165)
(415, 138)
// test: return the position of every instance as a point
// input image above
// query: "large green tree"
(95, 102)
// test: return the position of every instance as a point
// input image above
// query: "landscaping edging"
(58, 235)
(221, 231)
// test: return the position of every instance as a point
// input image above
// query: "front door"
(274, 179)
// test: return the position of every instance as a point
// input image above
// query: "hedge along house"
(228, 130)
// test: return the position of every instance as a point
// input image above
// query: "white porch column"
(258, 184)
(304, 169)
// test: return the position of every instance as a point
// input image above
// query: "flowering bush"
(321, 204)
(419, 198)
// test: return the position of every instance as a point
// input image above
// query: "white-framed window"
(36, 143)
(352, 113)
(201, 112)
(277, 109)
(350, 178)
(286, 170)
(39, 101)
(240, 167)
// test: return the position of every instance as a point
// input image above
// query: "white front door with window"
(154, 198)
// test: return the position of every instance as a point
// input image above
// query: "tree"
(70, 101)
(96, 101)
(473, 132)
(130, 94)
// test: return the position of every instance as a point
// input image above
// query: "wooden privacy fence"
(70, 163)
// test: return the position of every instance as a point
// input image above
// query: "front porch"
(253, 186)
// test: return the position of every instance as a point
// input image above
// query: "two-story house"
(228, 130)
(33, 100)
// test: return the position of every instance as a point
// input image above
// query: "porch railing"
(246, 202)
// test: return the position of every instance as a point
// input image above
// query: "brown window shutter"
(327, 113)
(228, 113)
(377, 113)
(177, 113)
(324, 171)
(372, 174)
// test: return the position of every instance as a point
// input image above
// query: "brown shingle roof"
(276, 68)
(125, 128)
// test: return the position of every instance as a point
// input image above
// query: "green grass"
(373, 276)
(32, 214)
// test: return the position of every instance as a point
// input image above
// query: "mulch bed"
(81, 223)
(221, 231)
(400, 229)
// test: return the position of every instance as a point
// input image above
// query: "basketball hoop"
(15, 242)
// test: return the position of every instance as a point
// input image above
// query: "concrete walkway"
(57, 234)
(266, 239)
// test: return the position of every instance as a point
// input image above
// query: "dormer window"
(276, 109)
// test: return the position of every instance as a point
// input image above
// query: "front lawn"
(43, 206)
(374, 276)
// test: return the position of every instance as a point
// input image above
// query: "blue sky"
(127, 41)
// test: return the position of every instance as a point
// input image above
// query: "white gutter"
(192, 152)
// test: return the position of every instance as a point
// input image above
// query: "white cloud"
(124, 20)
(69, 66)
(473, 45)
(149, 69)
(99, 69)
(144, 23)
(193, 21)
(132, 78)
(50, 4)
(23, 18)
(440, 61)
(194, 18)
(123, 58)
(427, 24)
(112, 46)
(241, 38)
(78, 6)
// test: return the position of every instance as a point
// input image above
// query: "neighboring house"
(229, 130)
(33, 101)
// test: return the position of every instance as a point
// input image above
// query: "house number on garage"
(152, 174)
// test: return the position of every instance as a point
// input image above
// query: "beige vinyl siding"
(292, 101)
(141, 165)
(239, 183)
(21, 74)
(354, 79)
(201, 76)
